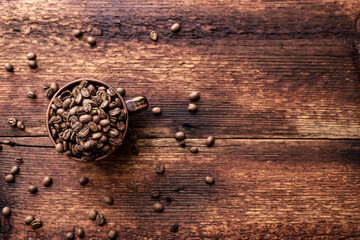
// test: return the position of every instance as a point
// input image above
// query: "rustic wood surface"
(280, 91)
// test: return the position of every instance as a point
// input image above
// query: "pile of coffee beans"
(87, 121)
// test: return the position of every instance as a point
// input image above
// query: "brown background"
(280, 91)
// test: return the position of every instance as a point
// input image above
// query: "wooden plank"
(293, 189)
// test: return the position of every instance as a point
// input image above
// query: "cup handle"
(137, 104)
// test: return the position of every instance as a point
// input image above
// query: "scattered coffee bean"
(155, 194)
(70, 236)
(121, 91)
(156, 110)
(36, 224)
(31, 94)
(49, 93)
(54, 86)
(33, 189)
(19, 160)
(6, 211)
(32, 64)
(83, 181)
(46, 86)
(80, 232)
(29, 219)
(153, 35)
(31, 56)
(9, 67)
(20, 125)
(59, 147)
(182, 144)
(210, 141)
(174, 228)
(47, 181)
(100, 219)
(9, 178)
(179, 136)
(193, 96)
(91, 41)
(158, 207)
(160, 168)
(209, 180)
(12, 121)
(92, 215)
(194, 149)
(14, 170)
(77, 33)
(192, 107)
(175, 27)
(108, 200)
(112, 234)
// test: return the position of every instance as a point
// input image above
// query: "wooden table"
(280, 91)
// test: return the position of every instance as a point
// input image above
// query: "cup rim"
(68, 85)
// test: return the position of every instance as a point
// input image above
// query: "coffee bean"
(31, 94)
(33, 189)
(112, 234)
(32, 64)
(100, 219)
(192, 107)
(14, 170)
(77, 33)
(20, 125)
(209, 180)
(121, 91)
(49, 93)
(19, 159)
(80, 232)
(193, 96)
(174, 228)
(182, 144)
(9, 178)
(92, 215)
(36, 224)
(46, 86)
(210, 141)
(194, 149)
(155, 194)
(69, 236)
(91, 41)
(158, 207)
(85, 118)
(47, 181)
(153, 35)
(104, 122)
(6, 211)
(108, 200)
(29, 219)
(9, 67)
(31, 56)
(59, 147)
(160, 168)
(12, 121)
(175, 27)
(54, 86)
(83, 181)
(179, 136)
(156, 110)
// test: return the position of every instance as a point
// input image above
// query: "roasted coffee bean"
(153, 35)
(32, 64)
(121, 91)
(49, 93)
(210, 141)
(174, 228)
(12, 121)
(114, 112)
(65, 95)
(121, 126)
(83, 181)
(193, 96)
(69, 236)
(194, 149)
(155, 194)
(14, 170)
(33, 189)
(85, 92)
(46, 86)
(111, 92)
(113, 132)
(104, 122)
(92, 215)
(192, 107)
(91, 41)
(60, 111)
(160, 168)
(101, 88)
(108, 200)
(84, 132)
(80, 232)
(77, 33)
(175, 27)
(66, 103)
(57, 101)
(9, 178)
(54, 86)
(47, 181)
(156, 110)
(55, 120)
(112, 234)
(100, 219)
(31, 94)
(209, 180)
(85, 118)
(96, 119)
(31, 56)
(29, 219)
(19, 160)
(20, 125)
(59, 147)
(9, 67)
(93, 126)
(179, 136)
(6, 211)
(36, 224)
(158, 207)
(115, 141)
